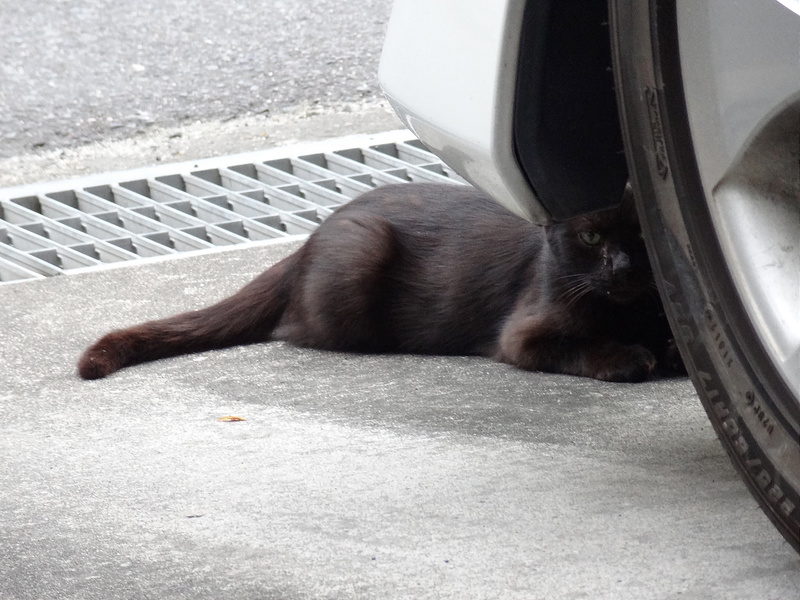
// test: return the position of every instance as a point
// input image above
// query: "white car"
(551, 107)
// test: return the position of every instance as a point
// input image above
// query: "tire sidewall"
(750, 407)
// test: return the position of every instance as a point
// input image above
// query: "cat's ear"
(553, 229)
(552, 234)
(628, 200)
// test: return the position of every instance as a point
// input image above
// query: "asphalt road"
(74, 72)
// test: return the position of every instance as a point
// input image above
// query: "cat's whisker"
(575, 286)
(571, 276)
(576, 290)
(580, 296)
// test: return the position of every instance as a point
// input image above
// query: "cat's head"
(602, 254)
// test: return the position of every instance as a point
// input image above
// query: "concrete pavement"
(352, 476)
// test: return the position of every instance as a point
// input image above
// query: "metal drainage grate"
(50, 229)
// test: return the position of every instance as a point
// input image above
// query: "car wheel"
(709, 98)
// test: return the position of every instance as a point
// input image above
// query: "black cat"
(435, 269)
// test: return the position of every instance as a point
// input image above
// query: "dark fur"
(437, 270)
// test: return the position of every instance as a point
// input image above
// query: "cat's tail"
(247, 317)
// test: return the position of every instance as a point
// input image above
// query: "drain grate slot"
(54, 228)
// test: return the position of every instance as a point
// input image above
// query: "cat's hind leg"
(346, 288)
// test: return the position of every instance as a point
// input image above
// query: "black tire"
(754, 409)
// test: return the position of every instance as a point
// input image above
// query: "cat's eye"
(590, 238)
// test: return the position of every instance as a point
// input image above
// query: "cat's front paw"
(615, 362)
(670, 362)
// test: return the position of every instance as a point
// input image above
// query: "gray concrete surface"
(168, 145)
(74, 72)
(352, 476)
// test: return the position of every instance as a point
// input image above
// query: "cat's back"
(443, 231)
(416, 203)
(441, 216)
(459, 263)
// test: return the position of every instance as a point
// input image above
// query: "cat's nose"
(620, 265)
